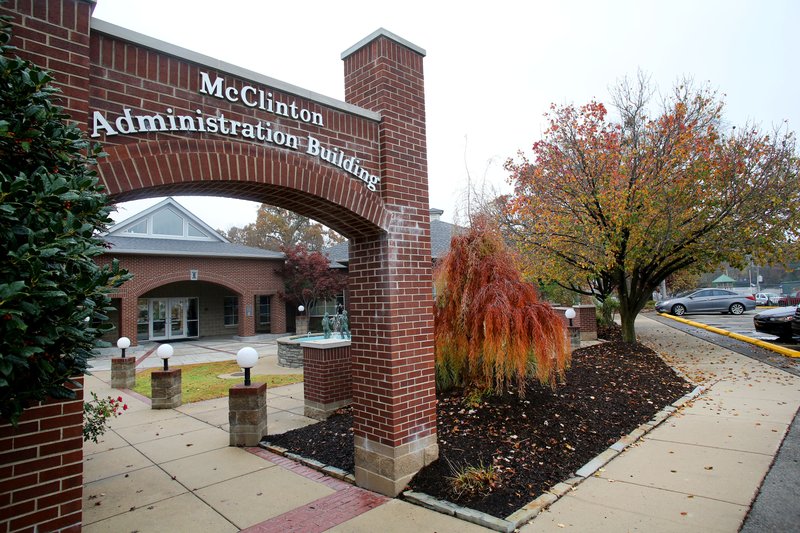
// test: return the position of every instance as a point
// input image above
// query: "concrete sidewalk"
(700, 469)
(173, 470)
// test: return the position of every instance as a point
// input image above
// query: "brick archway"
(248, 172)
(109, 75)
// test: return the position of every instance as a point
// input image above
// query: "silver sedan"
(707, 301)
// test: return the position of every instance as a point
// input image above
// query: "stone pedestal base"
(326, 377)
(386, 469)
(123, 372)
(166, 388)
(247, 413)
(301, 325)
(574, 333)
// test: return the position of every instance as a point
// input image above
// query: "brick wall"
(326, 374)
(217, 277)
(54, 34)
(41, 468)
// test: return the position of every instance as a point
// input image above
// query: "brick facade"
(41, 468)
(382, 122)
(168, 276)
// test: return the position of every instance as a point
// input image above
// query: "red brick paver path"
(322, 514)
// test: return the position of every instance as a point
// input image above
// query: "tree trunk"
(627, 318)
(629, 307)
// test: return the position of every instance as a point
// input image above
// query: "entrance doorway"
(168, 319)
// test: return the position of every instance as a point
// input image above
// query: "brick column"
(41, 467)
(586, 318)
(248, 413)
(128, 318)
(123, 372)
(166, 389)
(390, 286)
(247, 324)
(326, 377)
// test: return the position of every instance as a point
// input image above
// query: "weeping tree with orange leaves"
(490, 331)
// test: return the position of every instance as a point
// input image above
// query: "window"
(230, 311)
(139, 228)
(167, 222)
(194, 231)
(333, 306)
(263, 310)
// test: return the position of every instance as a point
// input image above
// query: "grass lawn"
(200, 382)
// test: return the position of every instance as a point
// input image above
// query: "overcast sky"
(492, 68)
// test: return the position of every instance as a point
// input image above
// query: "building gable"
(166, 220)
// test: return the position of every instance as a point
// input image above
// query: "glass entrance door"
(158, 319)
(177, 314)
(169, 318)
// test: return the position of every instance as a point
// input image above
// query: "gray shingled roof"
(139, 245)
(441, 234)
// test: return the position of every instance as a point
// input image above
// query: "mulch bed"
(532, 442)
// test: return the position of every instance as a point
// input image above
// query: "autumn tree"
(308, 278)
(608, 206)
(276, 229)
(490, 330)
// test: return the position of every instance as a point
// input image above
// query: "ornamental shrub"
(53, 296)
(490, 329)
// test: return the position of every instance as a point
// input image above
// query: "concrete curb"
(529, 511)
(328, 470)
(744, 338)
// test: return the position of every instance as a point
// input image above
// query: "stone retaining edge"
(332, 471)
(528, 511)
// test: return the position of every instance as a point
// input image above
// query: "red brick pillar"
(247, 315)
(41, 468)
(326, 377)
(586, 318)
(391, 294)
(128, 318)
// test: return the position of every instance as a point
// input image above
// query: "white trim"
(125, 34)
(382, 32)
(119, 228)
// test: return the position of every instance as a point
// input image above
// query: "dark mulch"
(532, 442)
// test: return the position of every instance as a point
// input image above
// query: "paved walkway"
(173, 470)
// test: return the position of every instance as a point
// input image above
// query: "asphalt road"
(742, 324)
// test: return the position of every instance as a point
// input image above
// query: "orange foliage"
(490, 329)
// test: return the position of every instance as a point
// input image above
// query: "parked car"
(707, 301)
(791, 299)
(776, 322)
(796, 322)
(767, 298)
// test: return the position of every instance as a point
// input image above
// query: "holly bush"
(53, 296)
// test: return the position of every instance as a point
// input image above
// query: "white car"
(767, 298)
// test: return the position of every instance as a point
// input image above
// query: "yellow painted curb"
(744, 338)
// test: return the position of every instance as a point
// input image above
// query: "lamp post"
(570, 314)
(123, 343)
(166, 385)
(247, 404)
(573, 331)
(246, 358)
(165, 351)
